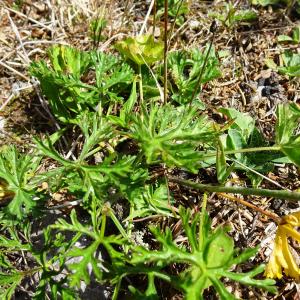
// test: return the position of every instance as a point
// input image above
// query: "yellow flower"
(281, 257)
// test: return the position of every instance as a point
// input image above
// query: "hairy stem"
(165, 51)
(141, 85)
(281, 194)
(245, 150)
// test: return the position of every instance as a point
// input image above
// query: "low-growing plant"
(295, 38)
(124, 153)
(96, 29)
(290, 64)
(289, 4)
(233, 16)
(63, 83)
(209, 256)
(185, 67)
(177, 9)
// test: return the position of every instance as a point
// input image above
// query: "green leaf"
(88, 255)
(219, 286)
(284, 39)
(112, 77)
(17, 170)
(149, 294)
(219, 250)
(288, 116)
(205, 265)
(247, 279)
(231, 15)
(245, 16)
(68, 60)
(292, 150)
(147, 200)
(235, 140)
(141, 49)
(8, 283)
(127, 110)
(242, 121)
(296, 35)
(80, 269)
(171, 135)
(291, 64)
(185, 67)
(63, 82)
(177, 8)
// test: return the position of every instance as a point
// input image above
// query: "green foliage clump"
(290, 64)
(233, 16)
(185, 67)
(95, 96)
(176, 9)
(63, 82)
(209, 256)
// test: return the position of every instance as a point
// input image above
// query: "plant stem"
(118, 224)
(256, 149)
(116, 290)
(276, 218)
(103, 225)
(281, 194)
(174, 23)
(245, 150)
(165, 51)
(203, 68)
(154, 18)
(202, 216)
(141, 85)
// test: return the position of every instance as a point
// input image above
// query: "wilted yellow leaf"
(141, 49)
(281, 257)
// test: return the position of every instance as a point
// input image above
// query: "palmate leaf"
(8, 283)
(87, 255)
(90, 179)
(68, 60)
(171, 134)
(149, 200)
(185, 67)
(80, 268)
(112, 76)
(209, 257)
(176, 8)
(80, 174)
(17, 169)
(63, 81)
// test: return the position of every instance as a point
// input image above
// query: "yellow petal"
(281, 257)
(292, 269)
(293, 219)
(273, 268)
(290, 231)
